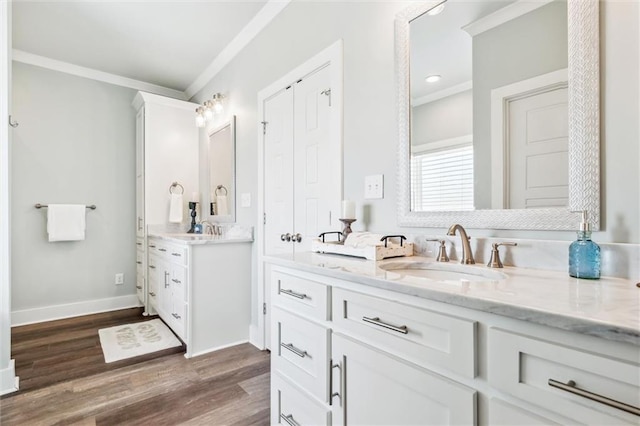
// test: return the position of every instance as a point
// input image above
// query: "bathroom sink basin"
(443, 272)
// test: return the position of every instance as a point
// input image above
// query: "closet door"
(317, 159)
(278, 173)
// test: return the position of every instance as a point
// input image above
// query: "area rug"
(130, 340)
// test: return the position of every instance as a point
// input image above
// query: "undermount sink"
(443, 272)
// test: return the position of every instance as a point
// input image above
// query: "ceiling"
(165, 43)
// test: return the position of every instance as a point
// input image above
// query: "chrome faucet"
(207, 227)
(467, 254)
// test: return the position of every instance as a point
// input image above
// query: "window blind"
(442, 179)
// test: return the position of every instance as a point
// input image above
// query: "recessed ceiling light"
(436, 10)
(432, 78)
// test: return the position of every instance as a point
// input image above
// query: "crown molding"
(506, 14)
(270, 10)
(458, 88)
(93, 74)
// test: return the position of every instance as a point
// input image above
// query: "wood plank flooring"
(65, 381)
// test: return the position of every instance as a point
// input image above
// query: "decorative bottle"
(584, 254)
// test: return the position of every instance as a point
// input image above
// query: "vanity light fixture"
(206, 111)
(436, 10)
(433, 78)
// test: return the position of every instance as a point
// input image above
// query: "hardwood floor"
(65, 381)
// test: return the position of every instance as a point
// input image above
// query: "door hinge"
(264, 218)
(264, 309)
(327, 92)
(264, 127)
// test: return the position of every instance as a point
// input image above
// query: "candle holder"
(346, 229)
(192, 206)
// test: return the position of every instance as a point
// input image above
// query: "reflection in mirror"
(489, 135)
(222, 192)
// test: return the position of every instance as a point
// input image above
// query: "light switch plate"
(245, 199)
(374, 187)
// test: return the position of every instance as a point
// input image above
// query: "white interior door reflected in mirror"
(222, 165)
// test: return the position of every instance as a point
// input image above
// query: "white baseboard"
(8, 380)
(49, 313)
(255, 337)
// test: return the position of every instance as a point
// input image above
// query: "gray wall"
(445, 118)
(75, 144)
(370, 125)
(525, 47)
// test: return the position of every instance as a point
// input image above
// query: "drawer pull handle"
(152, 267)
(138, 262)
(138, 244)
(152, 246)
(139, 287)
(166, 279)
(293, 294)
(289, 419)
(333, 394)
(176, 316)
(295, 350)
(162, 249)
(152, 294)
(570, 387)
(176, 254)
(376, 321)
(176, 281)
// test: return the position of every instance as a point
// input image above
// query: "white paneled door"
(301, 165)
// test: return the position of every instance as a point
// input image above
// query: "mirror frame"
(231, 218)
(584, 134)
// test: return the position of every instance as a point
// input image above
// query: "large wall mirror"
(498, 113)
(222, 172)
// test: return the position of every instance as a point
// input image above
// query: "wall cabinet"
(372, 356)
(166, 152)
(202, 291)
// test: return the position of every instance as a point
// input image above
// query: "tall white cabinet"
(166, 151)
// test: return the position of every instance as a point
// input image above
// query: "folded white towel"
(176, 208)
(222, 205)
(66, 222)
(362, 239)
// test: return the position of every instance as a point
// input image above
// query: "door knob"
(285, 237)
(296, 238)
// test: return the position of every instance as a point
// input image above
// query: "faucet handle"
(494, 261)
(442, 252)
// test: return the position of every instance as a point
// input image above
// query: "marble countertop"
(201, 239)
(608, 308)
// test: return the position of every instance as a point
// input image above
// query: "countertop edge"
(538, 316)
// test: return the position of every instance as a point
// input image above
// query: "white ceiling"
(165, 43)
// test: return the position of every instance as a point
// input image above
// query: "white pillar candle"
(348, 209)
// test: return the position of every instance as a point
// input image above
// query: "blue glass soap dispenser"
(584, 254)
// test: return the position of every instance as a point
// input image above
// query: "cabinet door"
(377, 389)
(153, 280)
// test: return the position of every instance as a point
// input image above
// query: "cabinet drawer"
(177, 254)
(528, 368)
(502, 413)
(421, 336)
(289, 406)
(156, 246)
(300, 351)
(306, 297)
(178, 319)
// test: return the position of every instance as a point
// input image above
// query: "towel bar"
(39, 206)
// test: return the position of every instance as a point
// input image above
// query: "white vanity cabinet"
(167, 149)
(202, 291)
(356, 354)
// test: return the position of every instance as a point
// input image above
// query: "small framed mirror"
(222, 172)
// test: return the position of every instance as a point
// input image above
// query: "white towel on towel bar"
(222, 205)
(66, 222)
(175, 208)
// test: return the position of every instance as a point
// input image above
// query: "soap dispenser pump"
(584, 254)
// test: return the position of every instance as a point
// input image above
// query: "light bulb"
(200, 121)
(432, 78)
(208, 111)
(217, 103)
